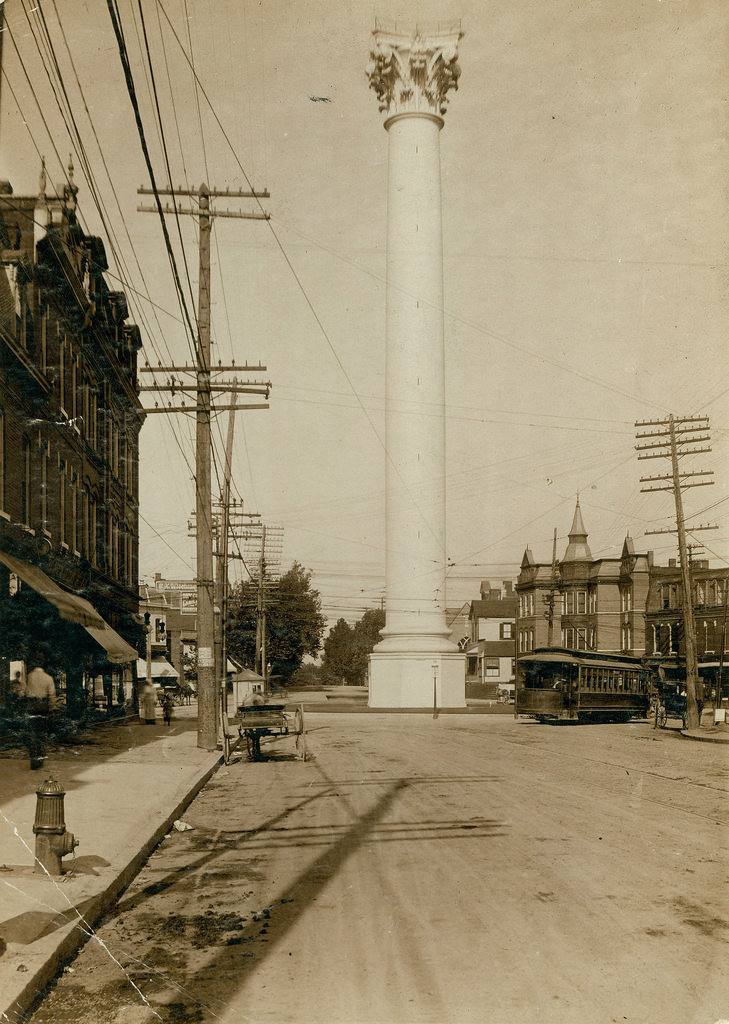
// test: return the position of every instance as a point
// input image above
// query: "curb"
(711, 738)
(82, 928)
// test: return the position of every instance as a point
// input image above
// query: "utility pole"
(549, 597)
(265, 545)
(207, 721)
(679, 442)
(261, 613)
(222, 576)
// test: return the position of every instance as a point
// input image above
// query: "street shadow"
(213, 985)
(27, 928)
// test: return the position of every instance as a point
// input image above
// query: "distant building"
(665, 638)
(172, 605)
(457, 622)
(491, 651)
(625, 605)
(584, 603)
(70, 418)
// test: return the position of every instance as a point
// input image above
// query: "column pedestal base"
(404, 679)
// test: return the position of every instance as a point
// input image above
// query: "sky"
(586, 218)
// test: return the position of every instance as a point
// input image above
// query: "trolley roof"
(588, 658)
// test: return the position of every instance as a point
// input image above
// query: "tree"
(347, 648)
(338, 651)
(366, 635)
(294, 622)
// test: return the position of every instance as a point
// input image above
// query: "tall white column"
(415, 664)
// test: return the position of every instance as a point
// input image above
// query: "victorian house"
(584, 603)
(70, 418)
(625, 605)
(491, 651)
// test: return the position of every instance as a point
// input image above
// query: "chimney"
(507, 587)
(671, 563)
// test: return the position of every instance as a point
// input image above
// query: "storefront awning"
(161, 669)
(70, 606)
(118, 650)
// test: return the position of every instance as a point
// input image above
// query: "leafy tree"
(294, 622)
(366, 635)
(189, 668)
(347, 648)
(338, 651)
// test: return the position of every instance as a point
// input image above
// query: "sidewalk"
(709, 732)
(125, 786)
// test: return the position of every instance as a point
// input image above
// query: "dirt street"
(464, 869)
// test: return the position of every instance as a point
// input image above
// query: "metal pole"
(148, 630)
(207, 732)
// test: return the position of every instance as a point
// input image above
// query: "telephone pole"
(207, 721)
(680, 440)
(549, 597)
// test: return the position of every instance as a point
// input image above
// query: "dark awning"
(70, 606)
(116, 647)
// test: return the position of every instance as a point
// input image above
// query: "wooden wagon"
(257, 721)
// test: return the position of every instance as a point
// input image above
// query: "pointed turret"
(578, 550)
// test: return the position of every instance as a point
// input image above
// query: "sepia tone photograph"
(364, 546)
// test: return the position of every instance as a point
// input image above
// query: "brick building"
(598, 604)
(70, 418)
(665, 640)
(627, 605)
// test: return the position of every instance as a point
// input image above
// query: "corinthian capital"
(414, 73)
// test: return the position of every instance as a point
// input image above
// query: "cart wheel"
(300, 734)
(661, 716)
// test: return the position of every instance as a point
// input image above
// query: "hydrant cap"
(50, 788)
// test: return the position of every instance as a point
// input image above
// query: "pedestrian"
(148, 702)
(40, 703)
(167, 707)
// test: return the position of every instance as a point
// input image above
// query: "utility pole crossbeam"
(208, 687)
(674, 447)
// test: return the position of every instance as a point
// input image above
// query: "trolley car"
(558, 685)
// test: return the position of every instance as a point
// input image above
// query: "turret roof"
(578, 550)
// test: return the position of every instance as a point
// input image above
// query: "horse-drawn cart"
(257, 721)
(670, 702)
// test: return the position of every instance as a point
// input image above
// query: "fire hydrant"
(52, 841)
